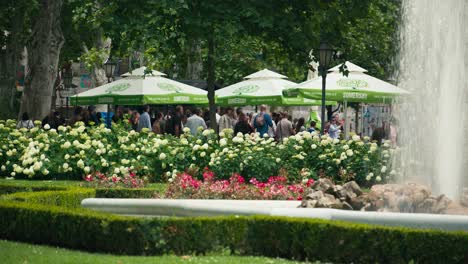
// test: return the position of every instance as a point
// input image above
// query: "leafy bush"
(293, 238)
(68, 198)
(13, 188)
(71, 152)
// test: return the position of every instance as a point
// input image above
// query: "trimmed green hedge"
(68, 198)
(13, 188)
(126, 193)
(35, 218)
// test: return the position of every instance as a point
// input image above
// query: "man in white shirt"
(227, 120)
(195, 121)
(145, 120)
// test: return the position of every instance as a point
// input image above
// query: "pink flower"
(208, 175)
(89, 178)
(236, 178)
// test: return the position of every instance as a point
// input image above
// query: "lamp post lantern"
(326, 53)
(109, 67)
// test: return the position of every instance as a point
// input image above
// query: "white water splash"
(432, 67)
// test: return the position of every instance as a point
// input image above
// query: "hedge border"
(29, 218)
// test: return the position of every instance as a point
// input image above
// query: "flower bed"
(276, 188)
(71, 152)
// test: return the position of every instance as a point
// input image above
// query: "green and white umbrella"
(139, 90)
(262, 87)
(356, 87)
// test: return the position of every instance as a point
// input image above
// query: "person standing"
(119, 115)
(195, 121)
(300, 125)
(262, 121)
(145, 120)
(134, 119)
(284, 128)
(52, 119)
(93, 115)
(174, 124)
(313, 127)
(218, 116)
(379, 134)
(334, 129)
(77, 116)
(158, 125)
(25, 122)
(227, 120)
(243, 126)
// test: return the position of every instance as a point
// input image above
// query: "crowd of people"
(278, 125)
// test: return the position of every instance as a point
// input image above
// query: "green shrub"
(36, 218)
(126, 193)
(67, 198)
(12, 188)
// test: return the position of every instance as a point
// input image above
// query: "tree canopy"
(246, 35)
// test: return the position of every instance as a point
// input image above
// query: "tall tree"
(14, 27)
(43, 57)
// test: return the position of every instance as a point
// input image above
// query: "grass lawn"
(14, 252)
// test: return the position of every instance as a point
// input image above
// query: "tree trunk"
(210, 82)
(9, 70)
(194, 59)
(44, 51)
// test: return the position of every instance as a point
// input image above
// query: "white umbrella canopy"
(356, 87)
(140, 72)
(139, 91)
(262, 87)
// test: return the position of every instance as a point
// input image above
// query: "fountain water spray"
(433, 68)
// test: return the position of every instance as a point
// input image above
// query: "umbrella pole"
(362, 121)
(108, 116)
(346, 119)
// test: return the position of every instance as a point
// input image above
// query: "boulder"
(347, 206)
(308, 203)
(329, 201)
(464, 200)
(352, 187)
(426, 206)
(357, 202)
(314, 195)
(323, 184)
(409, 198)
(441, 205)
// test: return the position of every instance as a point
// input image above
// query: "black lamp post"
(109, 67)
(326, 53)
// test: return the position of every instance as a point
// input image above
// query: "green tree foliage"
(247, 35)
